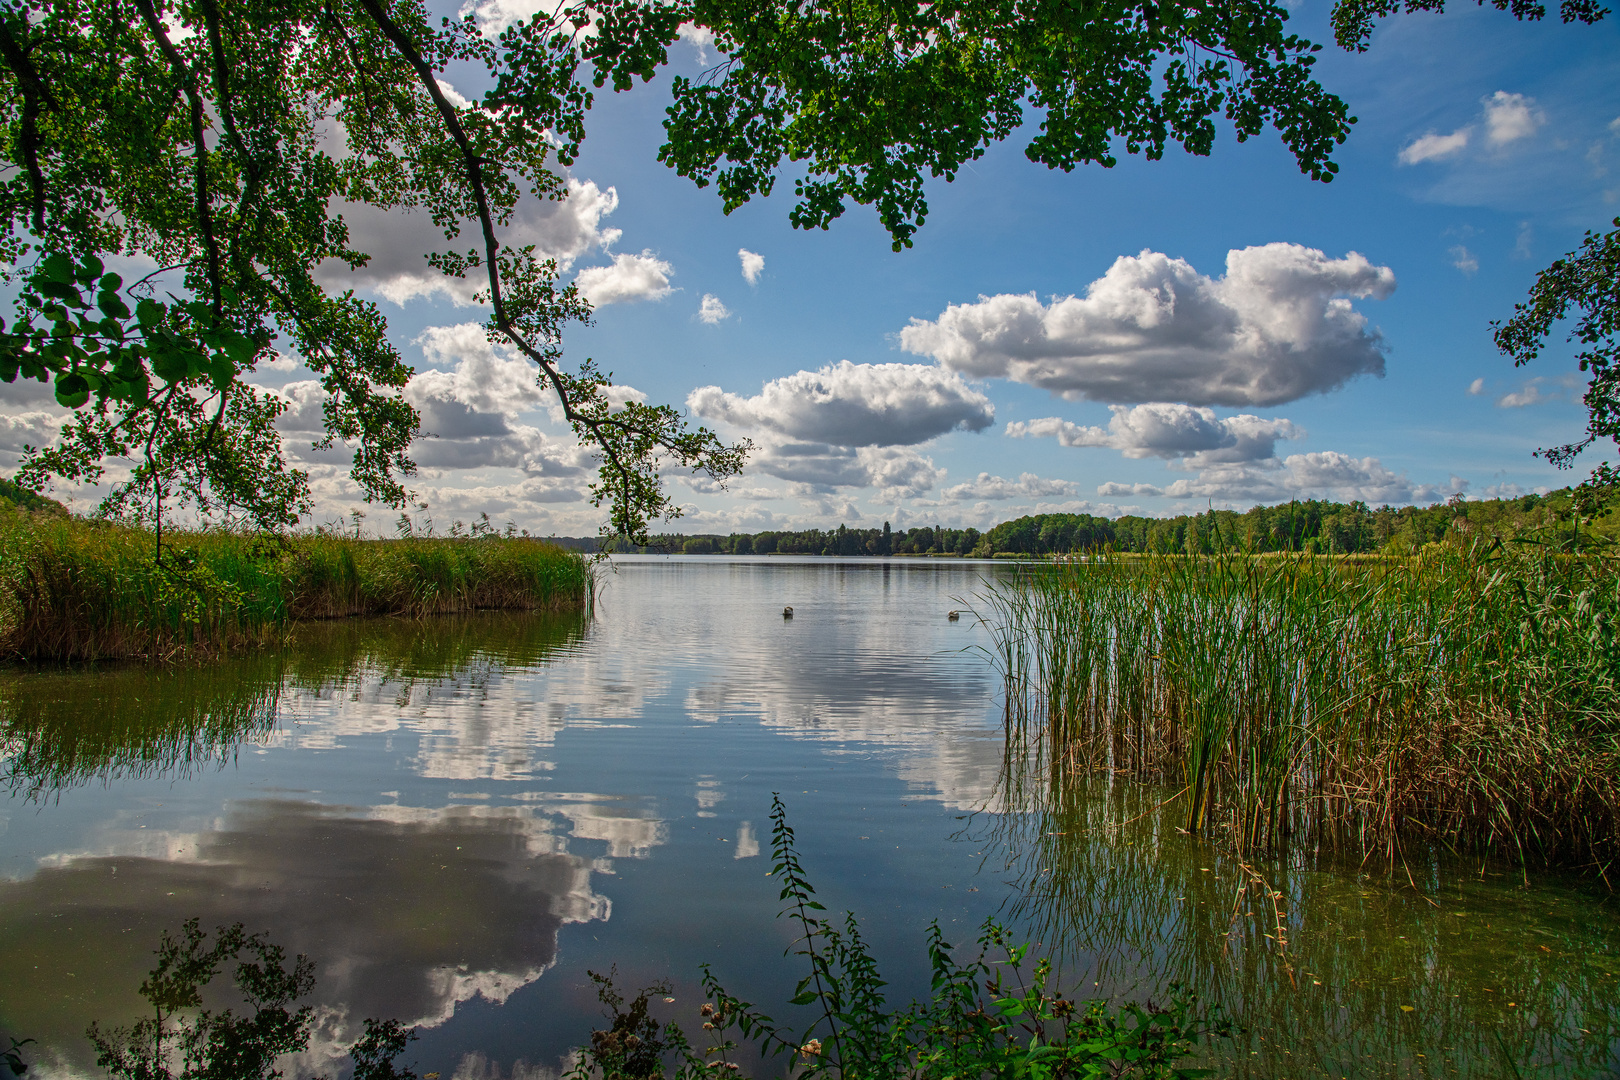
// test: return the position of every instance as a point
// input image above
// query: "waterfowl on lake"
(953, 616)
(787, 613)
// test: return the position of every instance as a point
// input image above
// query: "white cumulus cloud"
(1276, 327)
(1540, 389)
(1320, 474)
(472, 398)
(1434, 147)
(1504, 118)
(1169, 430)
(712, 311)
(752, 265)
(1464, 260)
(700, 37)
(1114, 488)
(898, 472)
(627, 278)
(851, 405)
(470, 414)
(998, 488)
(398, 243)
(495, 16)
(36, 428)
(1510, 117)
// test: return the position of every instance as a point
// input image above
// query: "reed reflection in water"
(59, 729)
(1334, 969)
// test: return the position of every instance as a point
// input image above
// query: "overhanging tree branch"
(615, 434)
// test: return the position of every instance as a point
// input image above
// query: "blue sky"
(955, 383)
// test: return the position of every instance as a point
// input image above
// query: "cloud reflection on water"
(411, 910)
(867, 665)
(407, 911)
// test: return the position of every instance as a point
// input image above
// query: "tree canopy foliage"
(1353, 20)
(219, 143)
(1587, 280)
(872, 99)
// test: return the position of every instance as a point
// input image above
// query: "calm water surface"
(458, 818)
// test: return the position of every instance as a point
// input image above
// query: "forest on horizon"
(1313, 526)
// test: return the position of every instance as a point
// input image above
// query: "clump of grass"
(75, 589)
(1471, 696)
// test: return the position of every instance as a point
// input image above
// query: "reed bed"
(1468, 696)
(75, 589)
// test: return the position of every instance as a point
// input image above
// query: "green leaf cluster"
(1353, 20)
(227, 143)
(870, 99)
(1587, 280)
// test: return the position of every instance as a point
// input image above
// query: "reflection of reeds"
(1386, 982)
(60, 728)
(75, 589)
(1469, 696)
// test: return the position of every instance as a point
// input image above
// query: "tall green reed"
(76, 589)
(1469, 695)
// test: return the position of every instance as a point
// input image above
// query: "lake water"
(458, 818)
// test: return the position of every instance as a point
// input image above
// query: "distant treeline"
(1315, 526)
(925, 540)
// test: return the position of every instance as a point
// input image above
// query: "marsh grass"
(1467, 696)
(72, 589)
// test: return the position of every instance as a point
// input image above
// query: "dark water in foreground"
(458, 818)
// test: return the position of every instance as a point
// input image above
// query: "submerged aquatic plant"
(1333, 965)
(991, 1016)
(1471, 696)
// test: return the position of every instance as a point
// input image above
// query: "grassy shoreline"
(77, 589)
(1469, 697)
